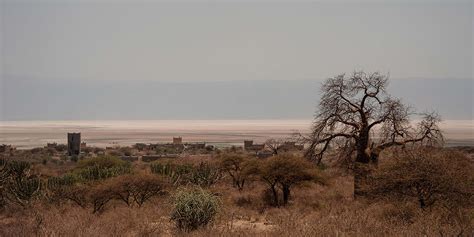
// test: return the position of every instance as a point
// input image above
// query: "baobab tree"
(358, 118)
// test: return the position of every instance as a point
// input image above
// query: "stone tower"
(73, 144)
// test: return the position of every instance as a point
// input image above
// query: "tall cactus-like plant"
(4, 178)
(17, 184)
(66, 180)
(205, 175)
(98, 173)
(19, 169)
(177, 174)
(4, 172)
(23, 190)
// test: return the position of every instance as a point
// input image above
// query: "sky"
(199, 59)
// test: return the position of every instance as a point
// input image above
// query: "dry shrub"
(136, 188)
(427, 176)
(77, 194)
(316, 210)
(399, 212)
(243, 200)
(75, 221)
(129, 189)
(360, 219)
(99, 196)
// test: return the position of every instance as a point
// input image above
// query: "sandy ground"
(28, 134)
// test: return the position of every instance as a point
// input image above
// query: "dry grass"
(314, 210)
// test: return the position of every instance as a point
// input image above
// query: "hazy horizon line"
(78, 79)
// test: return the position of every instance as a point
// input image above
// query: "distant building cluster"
(6, 148)
(261, 150)
(291, 146)
(177, 144)
(155, 151)
(53, 145)
(250, 146)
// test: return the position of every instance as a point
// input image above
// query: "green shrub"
(102, 162)
(98, 173)
(180, 174)
(194, 208)
(98, 168)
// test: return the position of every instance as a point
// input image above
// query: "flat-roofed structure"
(177, 140)
(73, 144)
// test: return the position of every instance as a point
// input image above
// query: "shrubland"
(412, 191)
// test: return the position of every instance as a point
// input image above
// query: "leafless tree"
(358, 118)
(274, 145)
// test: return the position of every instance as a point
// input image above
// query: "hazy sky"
(77, 42)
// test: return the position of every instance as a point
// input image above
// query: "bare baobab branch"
(355, 107)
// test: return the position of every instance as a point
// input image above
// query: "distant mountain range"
(30, 99)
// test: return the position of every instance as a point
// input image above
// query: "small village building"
(6, 148)
(177, 140)
(250, 146)
(73, 144)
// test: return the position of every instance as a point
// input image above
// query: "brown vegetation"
(239, 167)
(143, 204)
(428, 176)
(283, 172)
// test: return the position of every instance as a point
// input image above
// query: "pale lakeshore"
(102, 133)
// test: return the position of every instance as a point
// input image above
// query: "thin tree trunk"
(275, 196)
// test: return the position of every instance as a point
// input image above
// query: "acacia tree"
(357, 117)
(285, 171)
(239, 167)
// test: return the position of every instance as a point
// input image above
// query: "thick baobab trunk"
(361, 173)
(362, 146)
(361, 165)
